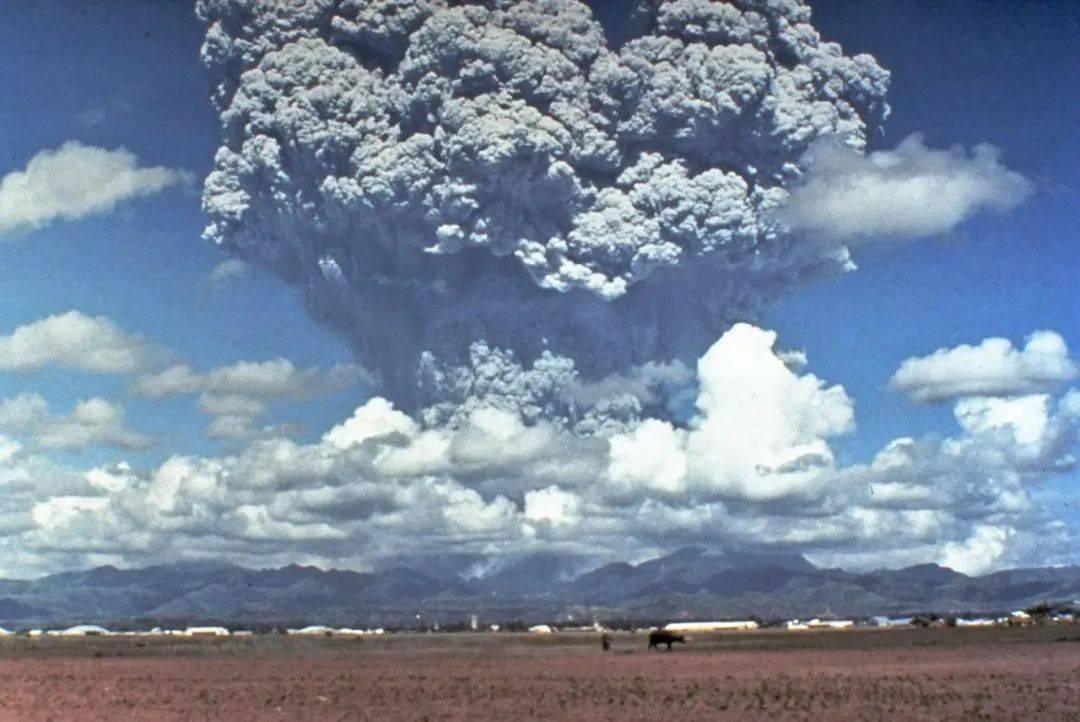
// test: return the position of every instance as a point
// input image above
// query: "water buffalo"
(661, 636)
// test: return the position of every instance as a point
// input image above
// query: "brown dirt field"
(897, 675)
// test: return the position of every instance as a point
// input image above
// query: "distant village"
(1038, 615)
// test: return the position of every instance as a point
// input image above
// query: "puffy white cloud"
(909, 192)
(760, 432)
(759, 420)
(22, 411)
(76, 180)
(1034, 430)
(377, 418)
(27, 479)
(111, 478)
(992, 368)
(1025, 418)
(236, 395)
(60, 512)
(72, 340)
(978, 553)
(91, 421)
(652, 456)
(553, 506)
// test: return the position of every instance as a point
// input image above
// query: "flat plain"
(898, 674)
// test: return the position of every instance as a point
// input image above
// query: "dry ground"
(1010, 674)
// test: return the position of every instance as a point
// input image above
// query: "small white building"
(312, 630)
(711, 626)
(83, 630)
(891, 621)
(5, 633)
(979, 622)
(541, 629)
(206, 632)
(359, 632)
(800, 625)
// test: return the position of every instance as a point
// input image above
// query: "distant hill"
(690, 583)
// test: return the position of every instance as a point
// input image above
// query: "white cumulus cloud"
(992, 368)
(978, 553)
(909, 192)
(76, 180)
(72, 340)
(91, 421)
(760, 431)
(236, 395)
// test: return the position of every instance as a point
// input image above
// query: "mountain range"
(688, 584)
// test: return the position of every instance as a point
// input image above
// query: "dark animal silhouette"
(605, 641)
(661, 636)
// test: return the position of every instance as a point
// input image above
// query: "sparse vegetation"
(910, 674)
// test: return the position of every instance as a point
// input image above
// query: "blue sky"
(112, 74)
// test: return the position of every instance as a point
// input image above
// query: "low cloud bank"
(752, 467)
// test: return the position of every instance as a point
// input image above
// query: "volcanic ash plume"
(434, 173)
